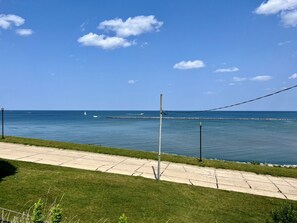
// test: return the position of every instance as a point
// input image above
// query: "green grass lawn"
(91, 196)
(274, 171)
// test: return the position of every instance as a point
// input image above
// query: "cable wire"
(244, 102)
(251, 100)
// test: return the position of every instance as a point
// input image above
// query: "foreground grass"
(91, 196)
(274, 171)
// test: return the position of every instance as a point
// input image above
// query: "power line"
(252, 100)
(245, 102)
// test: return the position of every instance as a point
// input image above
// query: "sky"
(121, 55)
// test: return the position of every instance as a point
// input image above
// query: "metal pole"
(200, 142)
(160, 136)
(2, 112)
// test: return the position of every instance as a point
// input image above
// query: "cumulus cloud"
(132, 81)
(276, 6)
(186, 65)
(11, 21)
(132, 26)
(293, 76)
(226, 70)
(261, 78)
(103, 41)
(123, 29)
(7, 21)
(289, 19)
(24, 32)
(239, 79)
(287, 9)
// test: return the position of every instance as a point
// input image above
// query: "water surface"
(269, 137)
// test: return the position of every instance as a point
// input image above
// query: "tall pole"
(2, 112)
(160, 136)
(200, 142)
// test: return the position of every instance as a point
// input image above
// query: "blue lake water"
(269, 137)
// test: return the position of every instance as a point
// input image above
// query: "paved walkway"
(251, 183)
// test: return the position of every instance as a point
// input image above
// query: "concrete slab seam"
(97, 169)
(164, 169)
(76, 158)
(116, 165)
(290, 183)
(279, 190)
(246, 181)
(27, 156)
(140, 167)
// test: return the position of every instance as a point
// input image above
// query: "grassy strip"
(91, 196)
(274, 171)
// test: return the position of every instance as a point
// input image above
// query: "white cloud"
(132, 81)
(123, 29)
(132, 26)
(286, 8)
(24, 32)
(231, 84)
(261, 78)
(224, 70)
(276, 6)
(7, 21)
(185, 65)
(238, 79)
(289, 19)
(293, 76)
(103, 41)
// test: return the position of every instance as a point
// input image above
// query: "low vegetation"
(259, 169)
(286, 213)
(38, 215)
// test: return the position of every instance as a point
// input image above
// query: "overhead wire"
(244, 102)
(252, 100)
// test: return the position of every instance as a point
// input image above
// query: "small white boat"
(95, 116)
(85, 113)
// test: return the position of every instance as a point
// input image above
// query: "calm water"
(242, 136)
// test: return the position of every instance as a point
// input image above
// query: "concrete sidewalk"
(239, 181)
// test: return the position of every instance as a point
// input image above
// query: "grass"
(259, 169)
(91, 196)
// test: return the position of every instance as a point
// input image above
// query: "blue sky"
(120, 55)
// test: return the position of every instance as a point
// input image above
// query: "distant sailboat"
(85, 113)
